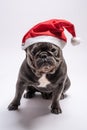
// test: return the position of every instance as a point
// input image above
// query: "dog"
(43, 70)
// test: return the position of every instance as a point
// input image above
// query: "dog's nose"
(43, 56)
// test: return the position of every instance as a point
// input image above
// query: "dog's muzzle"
(45, 63)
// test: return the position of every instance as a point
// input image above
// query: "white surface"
(16, 17)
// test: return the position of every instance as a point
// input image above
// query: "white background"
(16, 17)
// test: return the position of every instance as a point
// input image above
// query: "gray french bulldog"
(43, 70)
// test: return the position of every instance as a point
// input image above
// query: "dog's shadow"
(34, 108)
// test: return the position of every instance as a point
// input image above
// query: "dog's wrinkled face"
(44, 57)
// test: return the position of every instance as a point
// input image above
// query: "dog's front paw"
(12, 107)
(56, 109)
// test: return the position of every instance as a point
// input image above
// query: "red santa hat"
(51, 31)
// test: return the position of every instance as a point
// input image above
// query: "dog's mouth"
(47, 69)
(45, 66)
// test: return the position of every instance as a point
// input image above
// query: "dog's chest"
(43, 81)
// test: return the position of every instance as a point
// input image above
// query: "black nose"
(43, 56)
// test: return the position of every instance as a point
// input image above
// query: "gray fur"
(42, 58)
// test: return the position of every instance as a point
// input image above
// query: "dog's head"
(43, 57)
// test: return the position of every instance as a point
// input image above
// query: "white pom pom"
(75, 41)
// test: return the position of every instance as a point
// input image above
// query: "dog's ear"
(29, 58)
(60, 54)
(59, 57)
(26, 50)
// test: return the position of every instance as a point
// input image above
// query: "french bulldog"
(43, 70)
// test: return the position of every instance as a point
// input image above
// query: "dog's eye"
(55, 52)
(53, 49)
(34, 51)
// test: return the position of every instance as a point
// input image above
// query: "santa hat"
(51, 31)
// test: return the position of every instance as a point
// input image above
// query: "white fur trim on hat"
(50, 39)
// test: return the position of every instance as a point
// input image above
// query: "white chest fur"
(43, 81)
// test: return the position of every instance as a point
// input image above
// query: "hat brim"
(53, 40)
